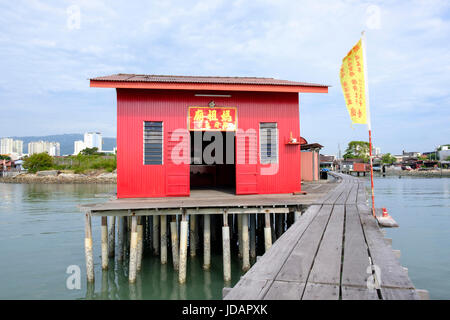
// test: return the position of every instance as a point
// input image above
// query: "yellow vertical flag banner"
(353, 84)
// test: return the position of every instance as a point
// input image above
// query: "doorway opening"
(212, 164)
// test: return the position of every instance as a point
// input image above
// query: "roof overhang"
(206, 86)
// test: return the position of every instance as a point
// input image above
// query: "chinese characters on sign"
(352, 81)
(212, 119)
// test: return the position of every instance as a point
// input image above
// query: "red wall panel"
(136, 106)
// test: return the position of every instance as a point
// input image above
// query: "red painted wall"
(136, 106)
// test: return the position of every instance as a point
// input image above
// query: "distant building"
(376, 151)
(52, 148)
(91, 140)
(10, 146)
(444, 152)
(327, 161)
(78, 146)
(411, 154)
(18, 147)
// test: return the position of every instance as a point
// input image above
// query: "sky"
(49, 50)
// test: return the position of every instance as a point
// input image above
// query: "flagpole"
(369, 121)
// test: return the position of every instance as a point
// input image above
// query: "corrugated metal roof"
(122, 77)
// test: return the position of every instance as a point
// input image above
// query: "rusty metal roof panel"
(121, 77)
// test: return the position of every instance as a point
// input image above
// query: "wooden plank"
(399, 294)
(327, 264)
(269, 265)
(392, 273)
(282, 290)
(352, 197)
(334, 195)
(358, 293)
(342, 199)
(361, 197)
(356, 257)
(249, 289)
(299, 263)
(315, 291)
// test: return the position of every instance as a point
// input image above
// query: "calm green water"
(42, 233)
(421, 206)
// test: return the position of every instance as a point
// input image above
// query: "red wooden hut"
(166, 123)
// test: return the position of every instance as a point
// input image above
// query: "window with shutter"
(153, 142)
(268, 142)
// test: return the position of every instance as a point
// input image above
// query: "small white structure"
(444, 153)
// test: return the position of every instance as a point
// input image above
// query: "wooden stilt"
(112, 237)
(245, 244)
(150, 233)
(163, 224)
(272, 225)
(174, 237)
(297, 215)
(120, 240)
(252, 236)
(140, 243)
(279, 224)
(239, 225)
(88, 248)
(226, 249)
(156, 238)
(193, 235)
(206, 242)
(183, 249)
(133, 250)
(104, 230)
(126, 234)
(267, 233)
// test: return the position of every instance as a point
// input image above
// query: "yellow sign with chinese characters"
(212, 119)
(353, 84)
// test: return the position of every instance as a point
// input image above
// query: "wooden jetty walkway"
(336, 250)
(333, 250)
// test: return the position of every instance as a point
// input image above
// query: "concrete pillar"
(267, 233)
(88, 248)
(206, 242)
(133, 250)
(174, 238)
(104, 231)
(156, 235)
(140, 243)
(163, 224)
(245, 244)
(183, 249)
(112, 237)
(226, 250)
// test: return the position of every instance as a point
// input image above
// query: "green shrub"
(38, 162)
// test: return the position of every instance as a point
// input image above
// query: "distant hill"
(66, 141)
